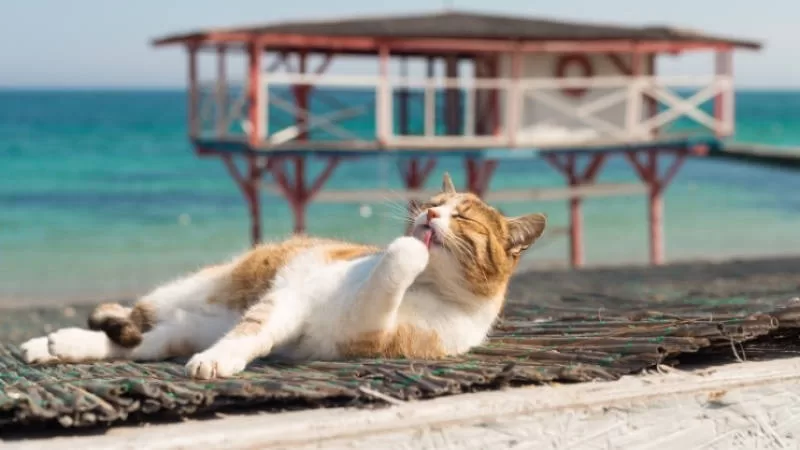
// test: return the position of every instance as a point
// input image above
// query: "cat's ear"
(447, 184)
(523, 231)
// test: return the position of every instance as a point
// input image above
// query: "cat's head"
(462, 231)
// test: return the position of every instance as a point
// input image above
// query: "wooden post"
(633, 118)
(479, 175)
(514, 100)
(254, 95)
(652, 104)
(430, 100)
(648, 172)
(296, 191)
(404, 98)
(301, 99)
(567, 165)
(222, 93)
(495, 96)
(452, 98)
(193, 94)
(723, 102)
(251, 189)
(414, 177)
(383, 102)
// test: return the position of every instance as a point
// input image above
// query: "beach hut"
(573, 94)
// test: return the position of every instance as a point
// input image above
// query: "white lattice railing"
(531, 112)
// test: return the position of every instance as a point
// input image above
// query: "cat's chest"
(459, 326)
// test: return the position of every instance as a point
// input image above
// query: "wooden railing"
(529, 113)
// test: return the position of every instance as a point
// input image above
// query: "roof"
(462, 26)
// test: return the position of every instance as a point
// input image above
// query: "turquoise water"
(101, 196)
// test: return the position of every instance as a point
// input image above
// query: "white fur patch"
(36, 351)
(79, 345)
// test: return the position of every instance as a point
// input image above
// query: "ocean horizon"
(102, 196)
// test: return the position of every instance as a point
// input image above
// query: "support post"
(404, 98)
(514, 100)
(383, 101)
(452, 97)
(567, 165)
(251, 189)
(495, 98)
(479, 175)
(430, 99)
(723, 102)
(193, 94)
(254, 95)
(301, 99)
(295, 190)
(415, 173)
(222, 93)
(652, 104)
(302, 91)
(648, 172)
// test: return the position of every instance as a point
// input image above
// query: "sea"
(102, 197)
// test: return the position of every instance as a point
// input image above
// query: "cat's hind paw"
(214, 364)
(37, 351)
(77, 345)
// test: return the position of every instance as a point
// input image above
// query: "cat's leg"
(168, 302)
(378, 299)
(180, 336)
(270, 322)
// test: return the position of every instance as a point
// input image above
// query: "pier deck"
(767, 155)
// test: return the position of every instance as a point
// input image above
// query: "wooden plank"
(519, 195)
(774, 156)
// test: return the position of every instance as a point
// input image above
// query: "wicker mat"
(529, 346)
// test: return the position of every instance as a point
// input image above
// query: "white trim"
(430, 109)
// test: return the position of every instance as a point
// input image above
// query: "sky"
(106, 43)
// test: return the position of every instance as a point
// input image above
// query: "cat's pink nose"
(432, 214)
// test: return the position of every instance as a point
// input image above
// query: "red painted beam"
(414, 177)
(250, 187)
(296, 191)
(445, 45)
(648, 172)
(253, 87)
(567, 165)
(479, 175)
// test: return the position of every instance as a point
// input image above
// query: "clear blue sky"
(82, 43)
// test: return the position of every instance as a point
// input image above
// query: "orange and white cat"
(433, 293)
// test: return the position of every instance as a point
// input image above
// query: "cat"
(432, 293)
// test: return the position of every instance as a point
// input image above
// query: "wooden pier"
(766, 155)
(455, 83)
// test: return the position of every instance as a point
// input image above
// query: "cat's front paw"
(409, 253)
(212, 364)
(36, 351)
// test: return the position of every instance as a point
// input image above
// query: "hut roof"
(464, 26)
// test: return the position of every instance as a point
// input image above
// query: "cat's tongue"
(428, 238)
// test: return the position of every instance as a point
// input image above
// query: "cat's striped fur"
(433, 293)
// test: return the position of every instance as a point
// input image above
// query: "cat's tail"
(123, 325)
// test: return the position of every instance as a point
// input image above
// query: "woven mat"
(527, 347)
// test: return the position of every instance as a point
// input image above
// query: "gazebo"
(573, 94)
